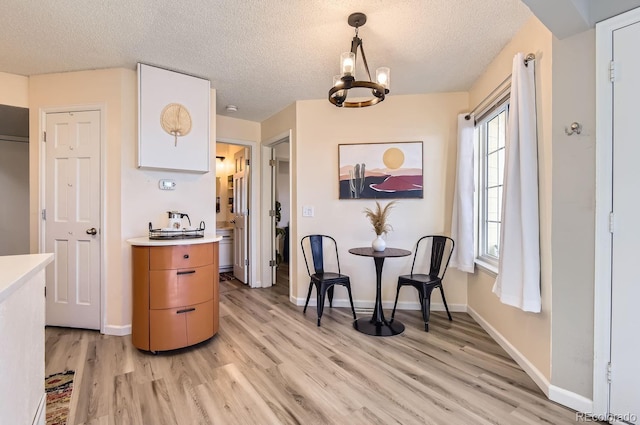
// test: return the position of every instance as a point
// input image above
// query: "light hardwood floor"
(270, 364)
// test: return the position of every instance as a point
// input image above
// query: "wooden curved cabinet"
(175, 295)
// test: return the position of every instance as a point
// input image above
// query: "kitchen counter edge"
(15, 270)
(145, 241)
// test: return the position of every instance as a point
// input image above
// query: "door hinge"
(272, 213)
(247, 162)
(611, 222)
(612, 71)
(272, 163)
(45, 292)
(609, 372)
(246, 262)
(44, 214)
(44, 136)
(272, 263)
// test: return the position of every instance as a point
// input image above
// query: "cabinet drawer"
(167, 329)
(175, 288)
(180, 256)
(200, 323)
(179, 327)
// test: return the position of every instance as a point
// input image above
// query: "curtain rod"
(530, 57)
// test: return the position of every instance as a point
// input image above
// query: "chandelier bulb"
(383, 77)
(347, 63)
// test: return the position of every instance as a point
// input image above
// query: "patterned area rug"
(226, 276)
(58, 388)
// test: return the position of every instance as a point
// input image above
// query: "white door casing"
(240, 214)
(272, 207)
(625, 283)
(72, 203)
(617, 231)
(268, 180)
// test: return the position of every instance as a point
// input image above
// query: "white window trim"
(485, 262)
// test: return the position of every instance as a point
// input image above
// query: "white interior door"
(241, 215)
(71, 226)
(625, 280)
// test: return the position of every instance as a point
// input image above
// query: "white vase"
(378, 244)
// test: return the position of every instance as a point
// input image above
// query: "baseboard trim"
(570, 399)
(368, 305)
(117, 330)
(554, 393)
(415, 305)
(533, 372)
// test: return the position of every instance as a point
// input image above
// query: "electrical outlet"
(307, 211)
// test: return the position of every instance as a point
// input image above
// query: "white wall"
(115, 90)
(527, 334)
(131, 196)
(144, 202)
(14, 196)
(321, 127)
(14, 174)
(573, 213)
(273, 129)
(15, 90)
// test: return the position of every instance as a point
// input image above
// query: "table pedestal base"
(384, 328)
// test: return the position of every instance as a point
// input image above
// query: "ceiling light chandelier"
(346, 81)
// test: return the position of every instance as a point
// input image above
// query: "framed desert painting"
(380, 170)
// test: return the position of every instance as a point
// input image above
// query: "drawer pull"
(226, 236)
(186, 310)
(186, 272)
(185, 256)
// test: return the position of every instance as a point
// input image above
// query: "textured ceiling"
(261, 55)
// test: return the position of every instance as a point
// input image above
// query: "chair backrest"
(439, 249)
(314, 248)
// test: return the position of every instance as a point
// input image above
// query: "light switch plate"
(307, 211)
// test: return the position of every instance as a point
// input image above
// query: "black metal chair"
(438, 250)
(316, 249)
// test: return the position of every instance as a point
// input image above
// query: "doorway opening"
(14, 180)
(233, 200)
(282, 212)
(277, 216)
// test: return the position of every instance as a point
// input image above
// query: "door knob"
(92, 231)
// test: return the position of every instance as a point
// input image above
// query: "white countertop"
(15, 270)
(145, 241)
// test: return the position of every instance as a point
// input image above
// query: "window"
(491, 132)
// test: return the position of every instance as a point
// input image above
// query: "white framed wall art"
(173, 120)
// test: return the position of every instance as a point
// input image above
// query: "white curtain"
(462, 217)
(518, 282)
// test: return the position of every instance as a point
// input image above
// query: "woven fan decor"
(175, 120)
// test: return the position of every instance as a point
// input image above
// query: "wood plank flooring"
(270, 364)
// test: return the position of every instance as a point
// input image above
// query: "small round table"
(378, 325)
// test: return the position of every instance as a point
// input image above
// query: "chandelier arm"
(364, 60)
